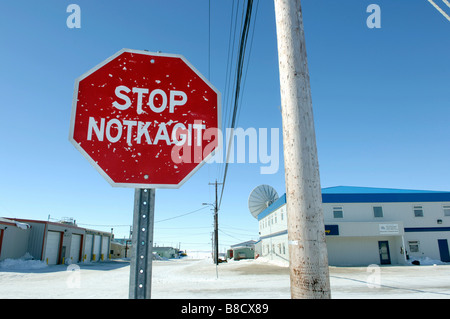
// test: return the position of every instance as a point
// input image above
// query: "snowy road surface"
(196, 278)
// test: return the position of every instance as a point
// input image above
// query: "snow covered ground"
(195, 278)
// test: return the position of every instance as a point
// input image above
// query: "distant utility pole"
(216, 225)
(308, 260)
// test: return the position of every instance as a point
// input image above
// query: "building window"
(446, 210)
(413, 246)
(377, 211)
(418, 211)
(338, 212)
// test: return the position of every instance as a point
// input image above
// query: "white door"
(97, 244)
(88, 248)
(75, 246)
(105, 247)
(52, 247)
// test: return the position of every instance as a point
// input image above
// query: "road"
(195, 279)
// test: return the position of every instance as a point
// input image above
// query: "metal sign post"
(142, 244)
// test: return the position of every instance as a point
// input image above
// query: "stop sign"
(145, 120)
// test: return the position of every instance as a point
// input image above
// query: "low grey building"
(244, 250)
(54, 243)
(166, 252)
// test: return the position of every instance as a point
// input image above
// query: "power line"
(230, 235)
(178, 216)
(248, 63)
(162, 220)
(237, 91)
(241, 233)
(230, 58)
(173, 228)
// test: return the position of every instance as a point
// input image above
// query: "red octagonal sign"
(145, 120)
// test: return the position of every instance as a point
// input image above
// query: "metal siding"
(15, 242)
(36, 240)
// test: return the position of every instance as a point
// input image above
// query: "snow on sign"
(145, 120)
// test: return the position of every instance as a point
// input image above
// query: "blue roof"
(354, 194)
(372, 190)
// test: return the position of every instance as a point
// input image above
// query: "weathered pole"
(308, 260)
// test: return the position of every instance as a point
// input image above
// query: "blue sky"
(381, 104)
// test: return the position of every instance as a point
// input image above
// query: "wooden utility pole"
(216, 229)
(306, 231)
(216, 226)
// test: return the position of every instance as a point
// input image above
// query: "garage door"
(88, 248)
(105, 247)
(52, 247)
(1, 242)
(97, 244)
(75, 247)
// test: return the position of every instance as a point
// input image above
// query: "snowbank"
(276, 262)
(426, 261)
(22, 225)
(24, 263)
(198, 254)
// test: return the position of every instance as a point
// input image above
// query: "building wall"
(427, 243)
(275, 247)
(361, 251)
(118, 250)
(432, 211)
(360, 231)
(99, 249)
(14, 242)
(273, 223)
(36, 240)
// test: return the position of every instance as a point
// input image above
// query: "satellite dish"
(260, 198)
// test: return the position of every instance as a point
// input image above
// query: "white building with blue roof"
(365, 225)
